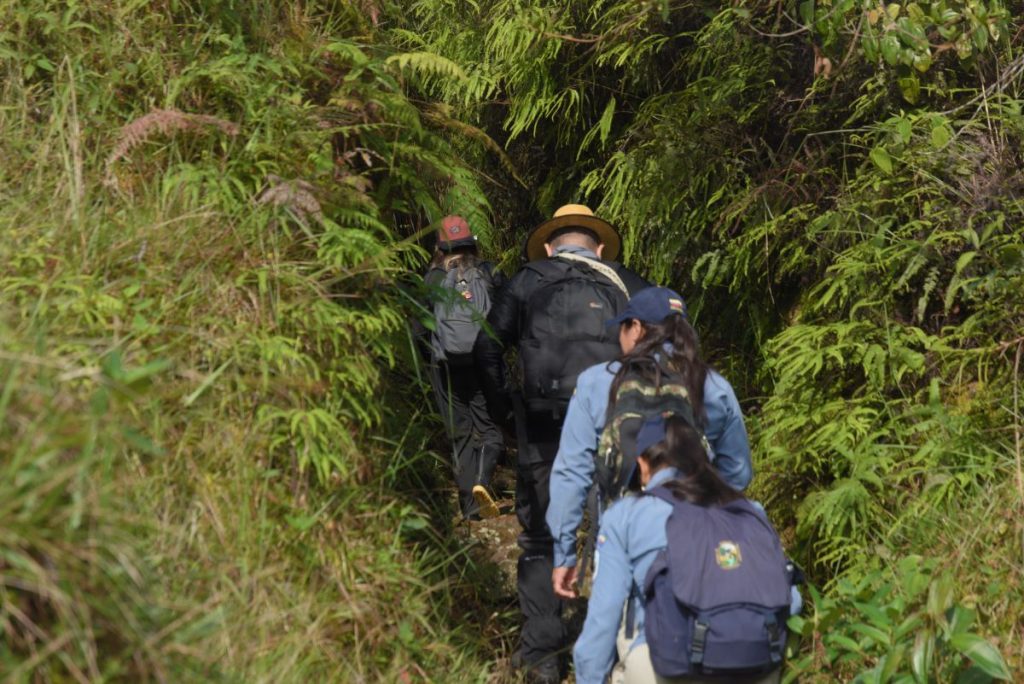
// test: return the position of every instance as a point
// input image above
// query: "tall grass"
(200, 208)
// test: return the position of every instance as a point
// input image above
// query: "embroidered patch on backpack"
(728, 556)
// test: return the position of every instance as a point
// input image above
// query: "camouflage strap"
(592, 508)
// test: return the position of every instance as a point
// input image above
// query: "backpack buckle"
(700, 638)
(775, 640)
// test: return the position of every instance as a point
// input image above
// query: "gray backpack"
(461, 306)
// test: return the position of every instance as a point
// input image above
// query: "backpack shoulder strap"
(598, 266)
(546, 268)
(662, 492)
(434, 276)
(744, 506)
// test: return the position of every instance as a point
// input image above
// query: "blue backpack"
(717, 598)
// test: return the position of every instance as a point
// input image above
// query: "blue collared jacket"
(573, 470)
(632, 533)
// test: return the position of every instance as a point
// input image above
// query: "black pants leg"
(543, 634)
(475, 438)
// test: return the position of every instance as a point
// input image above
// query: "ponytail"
(699, 483)
(674, 342)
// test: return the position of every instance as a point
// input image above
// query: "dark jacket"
(506, 320)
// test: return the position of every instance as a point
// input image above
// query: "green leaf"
(875, 614)
(941, 135)
(960, 619)
(904, 130)
(893, 661)
(844, 641)
(921, 657)
(980, 37)
(414, 523)
(807, 11)
(940, 597)
(880, 156)
(974, 675)
(910, 87)
(301, 522)
(871, 47)
(605, 124)
(880, 637)
(911, 625)
(141, 442)
(982, 653)
(205, 384)
(134, 375)
(890, 47)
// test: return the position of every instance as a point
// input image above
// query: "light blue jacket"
(573, 470)
(631, 535)
(632, 532)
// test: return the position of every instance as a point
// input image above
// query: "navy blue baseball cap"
(651, 305)
(651, 432)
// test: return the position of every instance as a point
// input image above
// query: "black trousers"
(475, 438)
(543, 634)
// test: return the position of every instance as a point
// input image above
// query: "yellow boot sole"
(488, 509)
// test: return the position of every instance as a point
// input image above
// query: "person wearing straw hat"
(553, 311)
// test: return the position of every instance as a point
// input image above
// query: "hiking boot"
(546, 671)
(488, 509)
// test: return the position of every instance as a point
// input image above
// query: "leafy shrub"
(901, 625)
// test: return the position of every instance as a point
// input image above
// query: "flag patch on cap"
(676, 305)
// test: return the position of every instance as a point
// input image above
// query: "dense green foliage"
(212, 467)
(201, 472)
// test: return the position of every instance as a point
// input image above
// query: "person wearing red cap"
(461, 288)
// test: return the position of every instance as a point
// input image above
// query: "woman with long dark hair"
(654, 333)
(632, 533)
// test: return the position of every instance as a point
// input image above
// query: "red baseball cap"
(454, 233)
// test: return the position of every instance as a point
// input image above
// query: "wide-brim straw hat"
(576, 216)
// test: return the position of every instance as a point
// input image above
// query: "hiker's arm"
(726, 432)
(499, 279)
(594, 652)
(573, 472)
(489, 350)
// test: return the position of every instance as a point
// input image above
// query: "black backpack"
(564, 328)
(460, 308)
